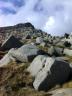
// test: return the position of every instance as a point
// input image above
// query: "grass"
(69, 58)
(43, 48)
(67, 85)
(16, 81)
(2, 54)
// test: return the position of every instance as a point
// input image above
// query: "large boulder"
(11, 42)
(26, 53)
(67, 52)
(48, 72)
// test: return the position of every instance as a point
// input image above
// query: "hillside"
(19, 31)
(34, 63)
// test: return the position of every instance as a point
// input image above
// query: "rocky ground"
(34, 63)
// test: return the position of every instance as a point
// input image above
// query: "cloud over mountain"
(52, 16)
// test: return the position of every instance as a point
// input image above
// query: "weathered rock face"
(6, 60)
(11, 42)
(26, 53)
(67, 52)
(37, 65)
(62, 92)
(39, 40)
(48, 72)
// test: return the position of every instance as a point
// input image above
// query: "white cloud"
(55, 18)
(49, 24)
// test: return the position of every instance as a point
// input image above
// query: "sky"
(52, 16)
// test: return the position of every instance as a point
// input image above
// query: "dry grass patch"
(16, 81)
(43, 48)
(67, 85)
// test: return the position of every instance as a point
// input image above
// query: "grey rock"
(62, 58)
(50, 73)
(6, 60)
(43, 44)
(70, 65)
(36, 65)
(11, 42)
(62, 92)
(39, 40)
(51, 50)
(60, 43)
(56, 40)
(57, 51)
(26, 53)
(67, 52)
(27, 37)
(67, 44)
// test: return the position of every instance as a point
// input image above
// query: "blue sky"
(52, 16)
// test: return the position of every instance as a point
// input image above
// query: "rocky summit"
(34, 63)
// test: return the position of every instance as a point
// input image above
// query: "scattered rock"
(43, 44)
(56, 51)
(51, 50)
(44, 72)
(39, 40)
(67, 52)
(67, 44)
(60, 43)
